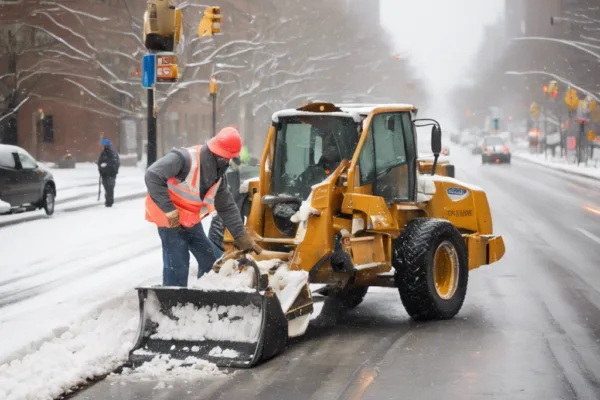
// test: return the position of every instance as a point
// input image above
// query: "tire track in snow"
(16, 295)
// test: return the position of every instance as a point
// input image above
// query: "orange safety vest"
(185, 196)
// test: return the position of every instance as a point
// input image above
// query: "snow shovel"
(229, 328)
(99, 186)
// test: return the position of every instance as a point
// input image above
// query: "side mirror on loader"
(436, 140)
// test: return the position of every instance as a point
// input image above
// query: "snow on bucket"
(224, 322)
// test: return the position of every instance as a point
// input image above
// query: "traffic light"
(211, 22)
(162, 25)
(213, 86)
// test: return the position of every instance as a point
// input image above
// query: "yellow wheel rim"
(445, 270)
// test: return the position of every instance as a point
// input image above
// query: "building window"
(46, 128)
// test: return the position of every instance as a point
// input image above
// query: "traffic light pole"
(580, 142)
(152, 150)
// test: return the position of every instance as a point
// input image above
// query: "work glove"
(173, 218)
(246, 243)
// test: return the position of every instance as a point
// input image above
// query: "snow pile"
(287, 285)
(4, 207)
(228, 278)
(165, 367)
(89, 348)
(231, 323)
(425, 187)
(227, 353)
(560, 165)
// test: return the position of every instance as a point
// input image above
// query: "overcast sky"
(440, 37)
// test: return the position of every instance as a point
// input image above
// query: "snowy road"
(55, 270)
(529, 329)
(77, 189)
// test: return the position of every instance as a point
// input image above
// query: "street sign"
(166, 68)
(148, 70)
(571, 99)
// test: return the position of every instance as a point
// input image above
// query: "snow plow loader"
(343, 201)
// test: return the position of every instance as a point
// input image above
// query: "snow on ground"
(68, 308)
(4, 206)
(559, 165)
(79, 188)
(167, 368)
(91, 348)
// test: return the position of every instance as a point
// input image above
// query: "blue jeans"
(177, 243)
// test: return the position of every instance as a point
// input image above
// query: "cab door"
(387, 160)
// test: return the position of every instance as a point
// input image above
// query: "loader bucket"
(228, 328)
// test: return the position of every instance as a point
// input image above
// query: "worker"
(108, 167)
(184, 186)
(245, 155)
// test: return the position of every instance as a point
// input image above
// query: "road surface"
(529, 328)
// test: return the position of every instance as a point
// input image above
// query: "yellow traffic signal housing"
(213, 86)
(211, 22)
(534, 109)
(162, 25)
(571, 99)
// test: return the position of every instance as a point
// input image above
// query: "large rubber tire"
(48, 200)
(414, 254)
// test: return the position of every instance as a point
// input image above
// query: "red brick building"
(67, 77)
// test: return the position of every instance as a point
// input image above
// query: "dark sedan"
(494, 150)
(23, 184)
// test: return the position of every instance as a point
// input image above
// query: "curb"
(36, 217)
(556, 168)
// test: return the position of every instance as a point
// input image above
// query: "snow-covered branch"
(15, 109)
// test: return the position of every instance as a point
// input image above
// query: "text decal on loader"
(456, 194)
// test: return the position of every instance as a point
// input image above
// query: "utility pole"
(162, 32)
(152, 147)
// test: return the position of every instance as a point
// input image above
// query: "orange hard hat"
(227, 143)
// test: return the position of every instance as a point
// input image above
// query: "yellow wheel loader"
(344, 201)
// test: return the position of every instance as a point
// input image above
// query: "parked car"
(23, 183)
(494, 150)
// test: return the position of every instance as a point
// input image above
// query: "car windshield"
(493, 141)
(308, 149)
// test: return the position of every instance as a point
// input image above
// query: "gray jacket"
(177, 163)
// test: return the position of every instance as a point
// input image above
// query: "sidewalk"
(77, 189)
(559, 164)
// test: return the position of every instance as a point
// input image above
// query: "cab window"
(387, 156)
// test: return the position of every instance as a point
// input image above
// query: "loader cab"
(386, 164)
(308, 148)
